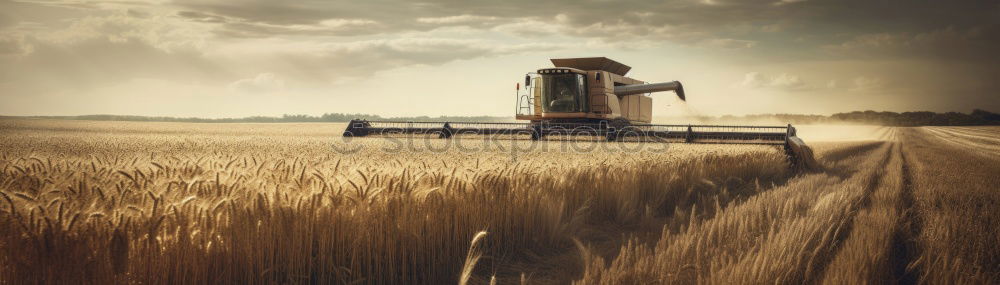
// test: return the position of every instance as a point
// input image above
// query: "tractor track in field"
(980, 145)
(846, 225)
(905, 249)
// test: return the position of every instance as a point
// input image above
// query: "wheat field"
(166, 203)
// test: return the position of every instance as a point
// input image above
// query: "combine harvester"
(592, 97)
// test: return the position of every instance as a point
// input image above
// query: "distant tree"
(986, 115)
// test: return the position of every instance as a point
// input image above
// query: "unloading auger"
(593, 97)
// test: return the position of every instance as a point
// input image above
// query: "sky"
(236, 58)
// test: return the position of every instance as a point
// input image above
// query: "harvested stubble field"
(157, 203)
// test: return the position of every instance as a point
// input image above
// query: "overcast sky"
(233, 58)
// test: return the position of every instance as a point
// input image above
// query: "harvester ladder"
(525, 105)
(689, 135)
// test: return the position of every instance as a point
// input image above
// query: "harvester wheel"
(536, 132)
(619, 123)
(446, 131)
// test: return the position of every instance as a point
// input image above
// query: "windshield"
(564, 93)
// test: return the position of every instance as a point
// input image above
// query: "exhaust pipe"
(649, 88)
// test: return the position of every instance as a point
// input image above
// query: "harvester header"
(591, 96)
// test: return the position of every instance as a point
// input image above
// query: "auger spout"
(633, 89)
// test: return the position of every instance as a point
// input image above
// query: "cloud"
(782, 81)
(866, 84)
(121, 26)
(262, 83)
(97, 51)
(11, 45)
(722, 24)
(94, 62)
(326, 62)
(329, 27)
(786, 2)
(457, 20)
(202, 17)
(425, 15)
(67, 45)
(527, 28)
(728, 43)
(970, 44)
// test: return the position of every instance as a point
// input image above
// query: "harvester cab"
(589, 90)
(592, 97)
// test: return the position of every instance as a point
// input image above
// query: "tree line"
(921, 118)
